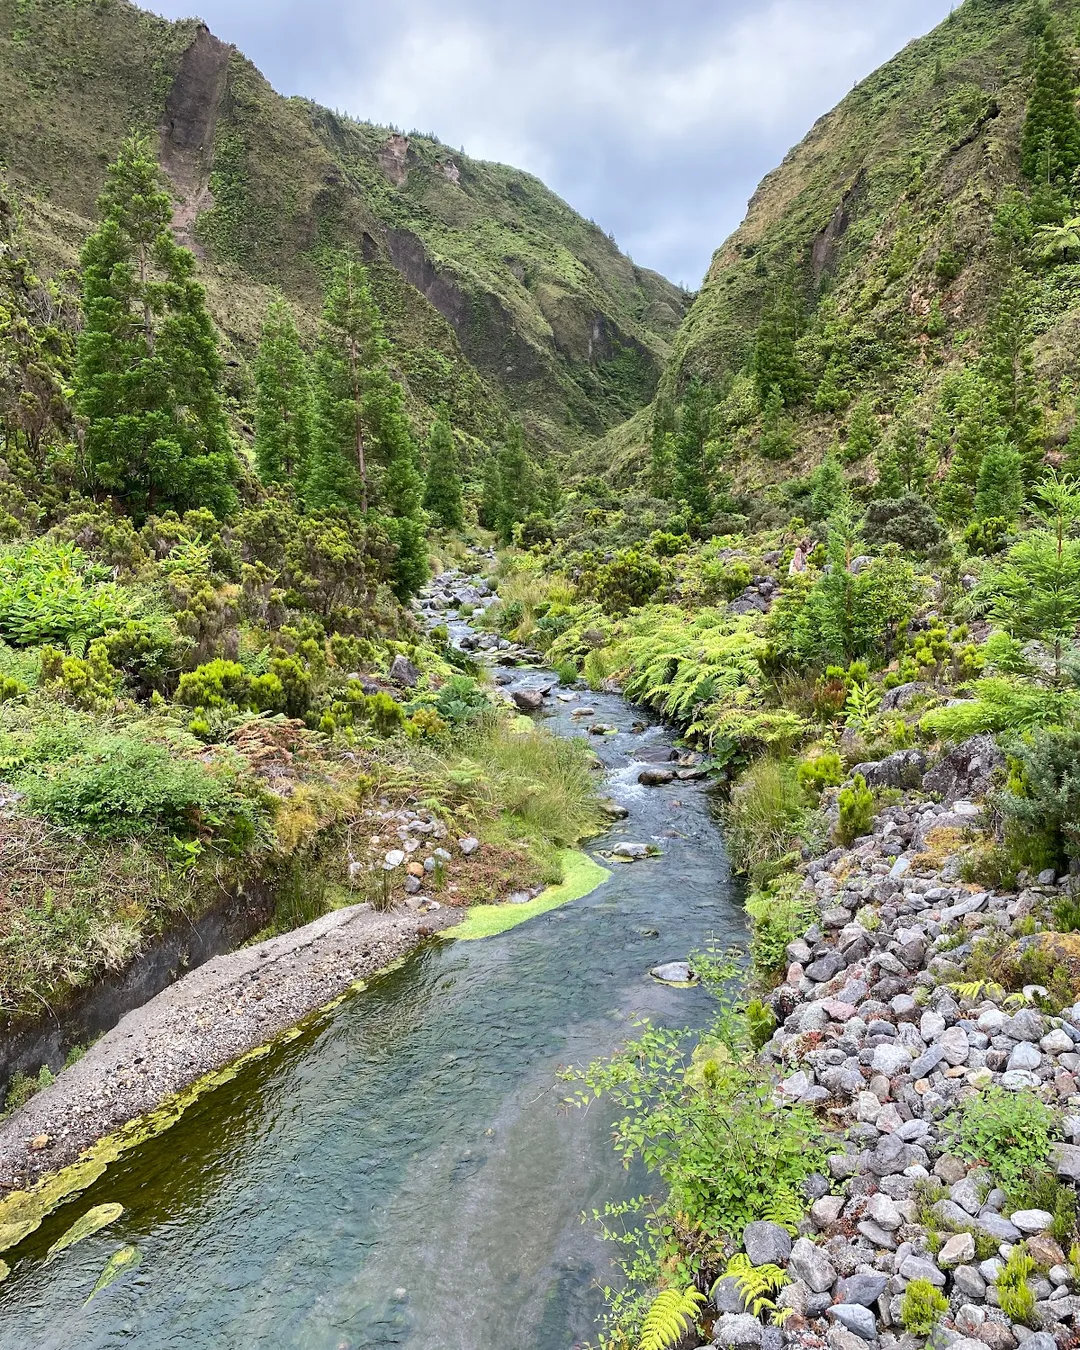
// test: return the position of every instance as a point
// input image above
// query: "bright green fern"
(758, 1286)
(672, 1314)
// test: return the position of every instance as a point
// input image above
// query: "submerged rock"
(679, 973)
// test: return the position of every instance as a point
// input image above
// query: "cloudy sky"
(655, 119)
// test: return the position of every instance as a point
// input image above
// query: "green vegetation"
(706, 1122)
(1009, 1132)
(923, 1307)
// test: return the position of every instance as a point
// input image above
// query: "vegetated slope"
(881, 223)
(556, 325)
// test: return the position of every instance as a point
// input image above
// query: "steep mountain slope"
(468, 257)
(883, 216)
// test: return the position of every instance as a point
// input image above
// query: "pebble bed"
(871, 1034)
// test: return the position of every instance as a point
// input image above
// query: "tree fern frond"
(670, 1316)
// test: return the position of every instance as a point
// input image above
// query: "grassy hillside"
(881, 217)
(557, 326)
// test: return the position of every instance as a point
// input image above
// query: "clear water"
(403, 1175)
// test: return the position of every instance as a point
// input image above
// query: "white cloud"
(656, 120)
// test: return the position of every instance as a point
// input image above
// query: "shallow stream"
(402, 1174)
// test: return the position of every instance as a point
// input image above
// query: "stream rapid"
(402, 1174)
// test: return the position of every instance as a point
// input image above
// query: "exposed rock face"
(967, 771)
(186, 133)
(902, 770)
(394, 159)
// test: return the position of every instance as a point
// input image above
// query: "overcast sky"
(657, 118)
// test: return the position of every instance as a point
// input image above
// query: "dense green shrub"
(907, 521)
(1043, 795)
(780, 914)
(922, 1308)
(856, 811)
(122, 783)
(629, 580)
(820, 772)
(53, 593)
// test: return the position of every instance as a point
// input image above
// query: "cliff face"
(469, 259)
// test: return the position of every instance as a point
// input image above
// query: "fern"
(670, 1316)
(974, 990)
(757, 1286)
(784, 1208)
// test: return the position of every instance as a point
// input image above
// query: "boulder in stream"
(656, 777)
(680, 974)
(528, 700)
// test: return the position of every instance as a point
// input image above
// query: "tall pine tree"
(776, 363)
(519, 484)
(999, 493)
(442, 492)
(1009, 370)
(1050, 144)
(283, 408)
(691, 450)
(350, 353)
(148, 371)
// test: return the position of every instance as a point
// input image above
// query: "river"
(402, 1173)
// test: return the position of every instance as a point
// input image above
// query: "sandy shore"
(229, 1006)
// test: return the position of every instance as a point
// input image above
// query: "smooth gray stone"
(855, 1318)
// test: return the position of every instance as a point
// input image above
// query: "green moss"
(581, 876)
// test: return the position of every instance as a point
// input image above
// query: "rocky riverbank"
(883, 1029)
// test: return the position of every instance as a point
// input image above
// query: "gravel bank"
(881, 1030)
(219, 1012)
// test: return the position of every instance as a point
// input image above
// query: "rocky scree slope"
(879, 1030)
(497, 295)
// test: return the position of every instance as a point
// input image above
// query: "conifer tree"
(974, 435)
(519, 483)
(1050, 144)
(148, 371)
(776, 434)
(691, 450)
(401, 487)
(999, 493)
(863, 433)
(829, 485)
(1009, 370)
(901, 462)
(490, 506)
(283, 409)
(350, 353)
(442, 492)
(776, 362)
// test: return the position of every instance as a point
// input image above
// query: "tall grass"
(527, 787)
(764, 816)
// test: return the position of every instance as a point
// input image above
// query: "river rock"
(528, 700)
(862, 1289)
(404, 673)
(766, 1244)
(674, 972)
(1032, 1220)
(812, 1266)
(613, 810)
(656, 777)
(468, 846)
(634, 852)
(855, 1318)
(738, 1331)
(957, 1251)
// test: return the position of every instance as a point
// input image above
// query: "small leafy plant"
(1014, 1293)
(856, 811)
(923, 1307)
(1008, 1131)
